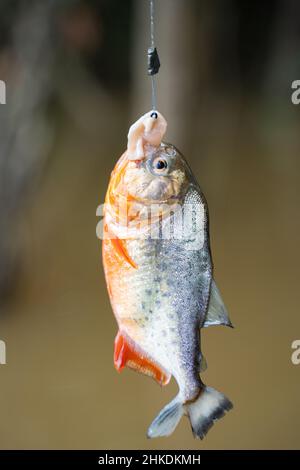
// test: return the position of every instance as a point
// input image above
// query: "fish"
(159, 273)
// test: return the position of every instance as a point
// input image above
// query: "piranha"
(159, 274)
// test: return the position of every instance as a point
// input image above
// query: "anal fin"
(126, 355)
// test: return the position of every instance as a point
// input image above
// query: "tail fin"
(210, 406)
(167, 420)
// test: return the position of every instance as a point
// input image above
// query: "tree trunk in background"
(24, 131)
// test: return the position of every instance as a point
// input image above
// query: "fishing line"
(153, 61)
(153, 84)
(152, 23)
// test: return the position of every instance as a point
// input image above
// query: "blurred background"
(76, 79)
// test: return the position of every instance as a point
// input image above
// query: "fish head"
(162, 176)
(150, 172)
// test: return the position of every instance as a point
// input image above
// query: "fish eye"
(160, 164)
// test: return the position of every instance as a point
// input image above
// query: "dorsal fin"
(216, 312)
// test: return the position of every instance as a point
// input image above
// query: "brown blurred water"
(59, 388)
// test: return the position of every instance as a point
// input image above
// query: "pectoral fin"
(216, 312)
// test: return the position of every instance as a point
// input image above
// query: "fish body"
(159, 273)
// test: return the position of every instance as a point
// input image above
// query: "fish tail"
(210, 406)
(167, 420)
